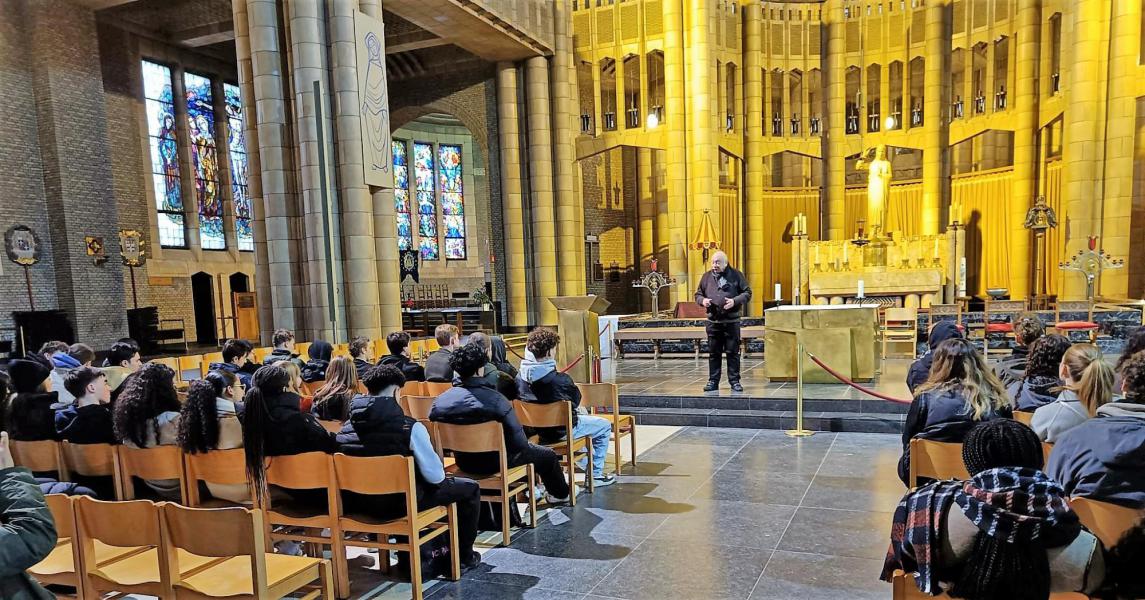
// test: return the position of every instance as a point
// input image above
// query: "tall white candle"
(845, 252)
(861, 295)
(816, 253)
(778, 292)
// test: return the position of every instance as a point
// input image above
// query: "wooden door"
(246, 315)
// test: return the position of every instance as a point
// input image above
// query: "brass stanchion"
(799, 431)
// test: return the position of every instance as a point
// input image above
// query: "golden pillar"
(1025, 111)
(569, 208)
(701, 105)
(508, 126)
(541, 186)
(645, 208)
(834, 119)
(936, 135)
(753, 152)
(677, 148)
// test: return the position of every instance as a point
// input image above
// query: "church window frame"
(239, 166)
(163, 150)
(201, 118)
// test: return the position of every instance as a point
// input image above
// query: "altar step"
(820, 414)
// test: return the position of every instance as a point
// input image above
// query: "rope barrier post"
(799, 431)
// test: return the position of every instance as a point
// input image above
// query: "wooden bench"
(658, 334)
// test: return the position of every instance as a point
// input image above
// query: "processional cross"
(1091, 263)
(654, 281)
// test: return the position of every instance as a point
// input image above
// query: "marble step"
(769, 419)
(850, 404)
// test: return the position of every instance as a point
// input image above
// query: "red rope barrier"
(847, 381)
(573, 364)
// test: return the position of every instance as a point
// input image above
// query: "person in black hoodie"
(378, 427)
(722, 291)
(88, 420)
(236, 356)
(399, 357)
(960, 393)
(363, 357)
(30, 414)
(283, 340)
(1040, 384)
(920, 369)
(315, 368)
(500, 356)
(475, 400)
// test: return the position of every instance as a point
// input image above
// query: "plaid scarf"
(1015, 505)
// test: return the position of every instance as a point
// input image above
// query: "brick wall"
(609, 183)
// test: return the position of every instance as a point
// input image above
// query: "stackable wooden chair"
(159, 462)
(603, 400)
(935, 460)
(559, 414)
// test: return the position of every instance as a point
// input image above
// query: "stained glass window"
(163, 141)
(239, 190)
(205, 161)
(452, 200)
(401, 194)
(426, 201)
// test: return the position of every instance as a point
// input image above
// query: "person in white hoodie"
(1087, 386)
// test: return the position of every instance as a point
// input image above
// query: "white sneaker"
(551, 499)
(604, 480)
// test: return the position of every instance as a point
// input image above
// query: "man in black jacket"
(399, 357)
(723, 290)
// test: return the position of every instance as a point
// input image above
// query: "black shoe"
(736, 387)
(474, 561)
(712, 386)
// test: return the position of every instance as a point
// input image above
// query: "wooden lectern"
(579, 328)
(842, 336)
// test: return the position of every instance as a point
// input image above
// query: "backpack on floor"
(435, 558)
(489, 517)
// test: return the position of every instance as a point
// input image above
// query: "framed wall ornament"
(95, 249)
(23, 247)
(133, 253)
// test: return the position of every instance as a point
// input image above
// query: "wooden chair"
(1007, 308)
(241, 567)
(417, 407)
(1065, 327)
(190, 367)
(413, 388)
(224, 467)
(159, 462)
(501, 487)
(935, 460)
(1024, 418)
(309, 388)
(308, 471)
(340, 350)
(260, 354)
(603, 400)
(302, 349)
(208, 359)
(1046, 449)
(41, 456)
(1105, 520)
(435, 388)
(943, 312)
(559, 414)
(904, 588)
(91, 460)
(379, 475)
(900, 325)
(331, 426)
(172, 362)
(60, 566)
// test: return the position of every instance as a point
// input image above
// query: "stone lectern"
(578, 326)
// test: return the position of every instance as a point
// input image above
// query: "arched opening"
(894, 120)
(874, 97)
(853, 79)
(608, 93)
(815, 100)
(730, 94)
(655, 88)
(587, 97)
(1001, 71)
(979, 81)
(957, 82)
(203, 300)
(240, 283)
(631, 91)
(917, 96)
(777, 80)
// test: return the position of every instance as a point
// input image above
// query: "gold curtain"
(779, 208)
(904, 208)
(984, 197)
(1055, 238)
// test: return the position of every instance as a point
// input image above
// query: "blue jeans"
(598, 431)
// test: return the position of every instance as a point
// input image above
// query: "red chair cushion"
(1000, 328)
(1077, 325)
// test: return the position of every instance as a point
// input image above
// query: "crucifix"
(654, 281)
(1091, 263)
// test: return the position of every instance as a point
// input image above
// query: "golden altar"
(842, 336)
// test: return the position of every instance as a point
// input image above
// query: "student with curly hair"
(283, 341)
(1040, 383)
(147, 415)
(1087, 385)
(332, 400)
(1133, 344)
(210, 421)
(360, 351)
(1028, 328)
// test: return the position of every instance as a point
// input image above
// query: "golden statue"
(878, 187)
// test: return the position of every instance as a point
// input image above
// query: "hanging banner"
(409, 266)
(377, 161)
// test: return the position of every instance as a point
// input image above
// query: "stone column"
(834, 119)
(541, 185)
(508, 125)
(753, 152)
(645, 210)
(936, 134)
(677, 151)
(701, 108)
(1025, 111)
(569, 208)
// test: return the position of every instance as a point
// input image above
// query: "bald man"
(723, 290)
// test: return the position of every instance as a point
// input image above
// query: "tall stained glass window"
(237, 151)
(205, 160)
(426, 201)
(164, 144)
(401, 194)
(452, 200)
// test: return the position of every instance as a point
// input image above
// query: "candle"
(845, 252)
(816, 253)
(861, 288)
(778, 292)
(935, 246)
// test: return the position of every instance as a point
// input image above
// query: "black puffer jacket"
(411, 370)
(292, 431)
(920, 369)
(475, 400)
(32, 416)
(941, 415)
(1033, 392)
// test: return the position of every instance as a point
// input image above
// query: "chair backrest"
(171, 361)
(554, 414)
(1085, 306)
(309, 388)
(900, 316)
(226, 467)
(213, 532)
(599, 396)
(375, 475)
(1046, 449)
(89, 460)
(38, 456)
(302, 349)
(417, 407)
(935, 460)
(1107, 521)
(260, 354)
(124, 523)
(331, 426)
(190, 367)
(306, 471)
(158, 462)
(340, 350)
(208, 358)
(1024, 418)
(1006, 307)
(63, 514)
(477, 437)
(435, 388)
(413, 388)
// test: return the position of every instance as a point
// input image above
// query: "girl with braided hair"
(210, 421)
(147, 415)
(1007, 532)
(1040, 384)
(1087, 385)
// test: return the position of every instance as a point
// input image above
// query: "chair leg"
(591, 468)
(532, 498)
(632, 435)
(340, 564)
(454, 544)
(325, 580)
(505, 500)
(415, 564)
(572, 472)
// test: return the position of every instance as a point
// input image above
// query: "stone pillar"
(834, 119)
(936, 134)
(1025, 110)
(701, 107)
(677, 151)
(645, 210)
(753, 152)
(541, 186)
(508, 125)
(569, 207)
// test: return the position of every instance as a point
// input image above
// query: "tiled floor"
(708, 513)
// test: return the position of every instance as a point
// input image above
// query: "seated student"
(274, 425)
(1040, 383)
(122, 361)
(437, 365)
(283, 340)
(377, 427)
(399, 356)
(504, 383)
(209, 420)
(29, 415)
(46, 352)
(539, 381)
(500, 356)
(1027, 329)
(961, 392)
(1124, 577)
(920, 369)
(1133, 344)
(360, 352)
(88, 420)
(315, 368)
(332, 400)
(1008, 532)
(474, 400)
(1087, 386)
(295, 385)
(147, 415)
(27, 531)
(236, 354)
(78, 355)
(1104, 457)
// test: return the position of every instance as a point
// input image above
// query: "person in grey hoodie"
(1087, 386)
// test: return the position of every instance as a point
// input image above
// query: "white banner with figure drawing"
(377, 161)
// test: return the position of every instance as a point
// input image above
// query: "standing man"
(723, 290)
